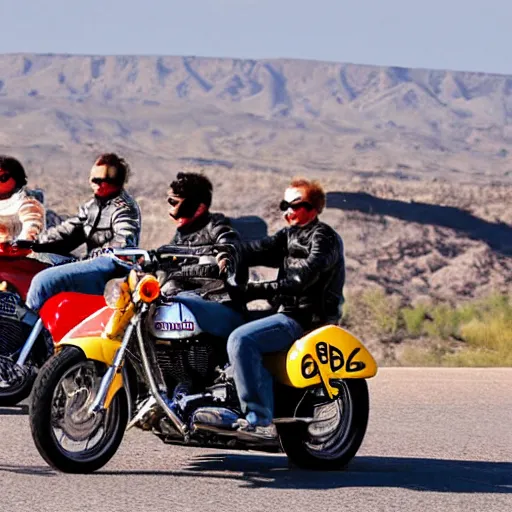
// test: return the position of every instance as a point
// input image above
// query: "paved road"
(438, 439)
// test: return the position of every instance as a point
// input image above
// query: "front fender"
(325, 354)
(98, 349)
(66, 310)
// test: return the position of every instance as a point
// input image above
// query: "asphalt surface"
(438, 439)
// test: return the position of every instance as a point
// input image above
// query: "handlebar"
(172, 251)
(142, 253)
(202, 254)
(13, 249)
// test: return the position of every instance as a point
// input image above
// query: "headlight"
(148, 289)
(117, 293)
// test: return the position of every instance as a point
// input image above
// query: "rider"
(189, 198)
(308, 293)
(110, 219)
(21, 215)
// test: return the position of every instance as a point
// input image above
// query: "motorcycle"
(124, 365)
(25, 341)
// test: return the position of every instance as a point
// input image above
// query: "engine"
(185, 353)
(13, 332)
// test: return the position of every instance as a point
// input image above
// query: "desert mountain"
(266, 114)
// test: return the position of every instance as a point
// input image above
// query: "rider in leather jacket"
(189, 198)
(307, 293)
(311, 276)
(110, 219)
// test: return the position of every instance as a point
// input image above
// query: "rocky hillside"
(268, 114)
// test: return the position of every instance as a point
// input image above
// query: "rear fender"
(19, 272)
(324, 355)
(98, 349)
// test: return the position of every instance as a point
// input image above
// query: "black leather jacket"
(115, 222)
(311, 263)
(209, 229)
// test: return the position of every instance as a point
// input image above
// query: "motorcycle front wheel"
(67, 436)
(333, 438)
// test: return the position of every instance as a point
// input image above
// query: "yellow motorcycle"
(123, 367)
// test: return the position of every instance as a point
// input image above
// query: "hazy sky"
(472, 35)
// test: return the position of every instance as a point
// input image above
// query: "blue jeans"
(89, 276)
(246, 346)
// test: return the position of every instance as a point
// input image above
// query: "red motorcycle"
(26, 341)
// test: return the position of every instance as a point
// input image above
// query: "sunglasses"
(99, 181)
(4, 178)
(284, 205)
(173, 202)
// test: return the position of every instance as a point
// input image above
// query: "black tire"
(14, 395)
(23, 377)
(41, 424)
(305, 451)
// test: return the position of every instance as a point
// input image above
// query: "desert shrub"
(484, 326)
(375, 309)
(414, 318)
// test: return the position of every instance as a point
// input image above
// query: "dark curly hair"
(193, 185)
(14, 168)
(113, 160)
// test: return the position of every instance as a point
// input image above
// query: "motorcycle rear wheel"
(64, 389)
(333, 441)
(15, 381)
(20, 387)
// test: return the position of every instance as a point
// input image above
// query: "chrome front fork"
(160, 396)
(99, 401)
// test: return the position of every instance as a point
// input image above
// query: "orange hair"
(314, 192)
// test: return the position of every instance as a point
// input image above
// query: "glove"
(24, 244)
(226, 257)
(258, 290)
(100, 251)
(225, 262)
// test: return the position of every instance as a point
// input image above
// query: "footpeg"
(215, 417)
(145, 414)
(12, 374)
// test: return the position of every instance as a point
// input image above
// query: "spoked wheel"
(67, 435)
(332, 440)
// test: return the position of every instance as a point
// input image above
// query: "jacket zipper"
(96, 221)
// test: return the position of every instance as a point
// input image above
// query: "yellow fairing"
(326, 353)
(98, 349)
(118, 323)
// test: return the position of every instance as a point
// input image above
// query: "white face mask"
(292, 194)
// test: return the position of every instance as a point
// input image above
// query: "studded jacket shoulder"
(115, 222)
